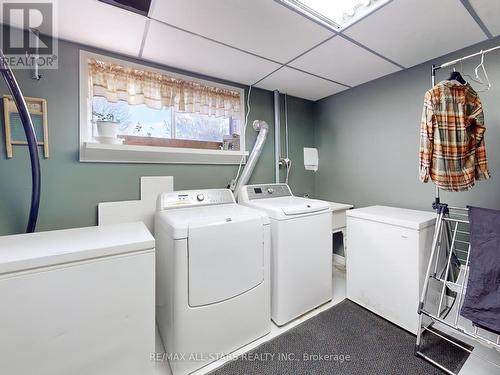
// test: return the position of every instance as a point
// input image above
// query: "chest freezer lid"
(402, 217)
(34, 250)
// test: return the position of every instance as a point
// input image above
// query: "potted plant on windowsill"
(107, 127)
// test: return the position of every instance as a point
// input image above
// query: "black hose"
(29, 130)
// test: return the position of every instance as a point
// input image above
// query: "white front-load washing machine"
(212, 276)
(301, 250)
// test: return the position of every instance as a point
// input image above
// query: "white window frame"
(91, 151)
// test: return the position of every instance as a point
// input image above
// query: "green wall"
(71, 190)
(368, 139)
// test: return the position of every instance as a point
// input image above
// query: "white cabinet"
(78, 301)
(339, 216)
(339, 227)
(388, 252)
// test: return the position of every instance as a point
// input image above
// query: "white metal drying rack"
(456, 61)
(435, 68)
(451, 231)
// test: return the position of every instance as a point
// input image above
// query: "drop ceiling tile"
(411, 32)
(345, 62)
(302, 85)
(176, 48)
(489, 12)
(263, 27)
(100, 25)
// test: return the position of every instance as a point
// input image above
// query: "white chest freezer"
(78, 301)
(389, 249)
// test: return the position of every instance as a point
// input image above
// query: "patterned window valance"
(155, 90)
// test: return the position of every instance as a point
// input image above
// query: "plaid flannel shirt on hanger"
(452, 147)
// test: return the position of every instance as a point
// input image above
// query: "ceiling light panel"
(335, 15)
(176, 48)
(489, 12)
(262, 27)
(100, 25)
(411, 32)
(300, 84)
(343, 61)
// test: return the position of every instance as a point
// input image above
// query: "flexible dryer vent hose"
(263, 129)
(22, 108)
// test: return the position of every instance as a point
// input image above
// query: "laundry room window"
(135, 113)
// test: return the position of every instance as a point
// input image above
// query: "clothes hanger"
(456, 76)
(478, 79)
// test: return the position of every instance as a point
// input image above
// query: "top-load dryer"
(301, 251)
(212, 272)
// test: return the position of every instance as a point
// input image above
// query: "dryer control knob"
(270, 190)
(200, 197)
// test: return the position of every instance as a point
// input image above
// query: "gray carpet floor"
(345, 340)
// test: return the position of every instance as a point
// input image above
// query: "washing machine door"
(226, 257)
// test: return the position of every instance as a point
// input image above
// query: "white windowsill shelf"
(118, 153)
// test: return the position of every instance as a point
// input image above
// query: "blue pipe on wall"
(29, 130)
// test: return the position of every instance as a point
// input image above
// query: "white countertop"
(33, 250)
(340, 206)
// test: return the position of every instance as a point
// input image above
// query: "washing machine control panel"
(267, 191)
(187, 198)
